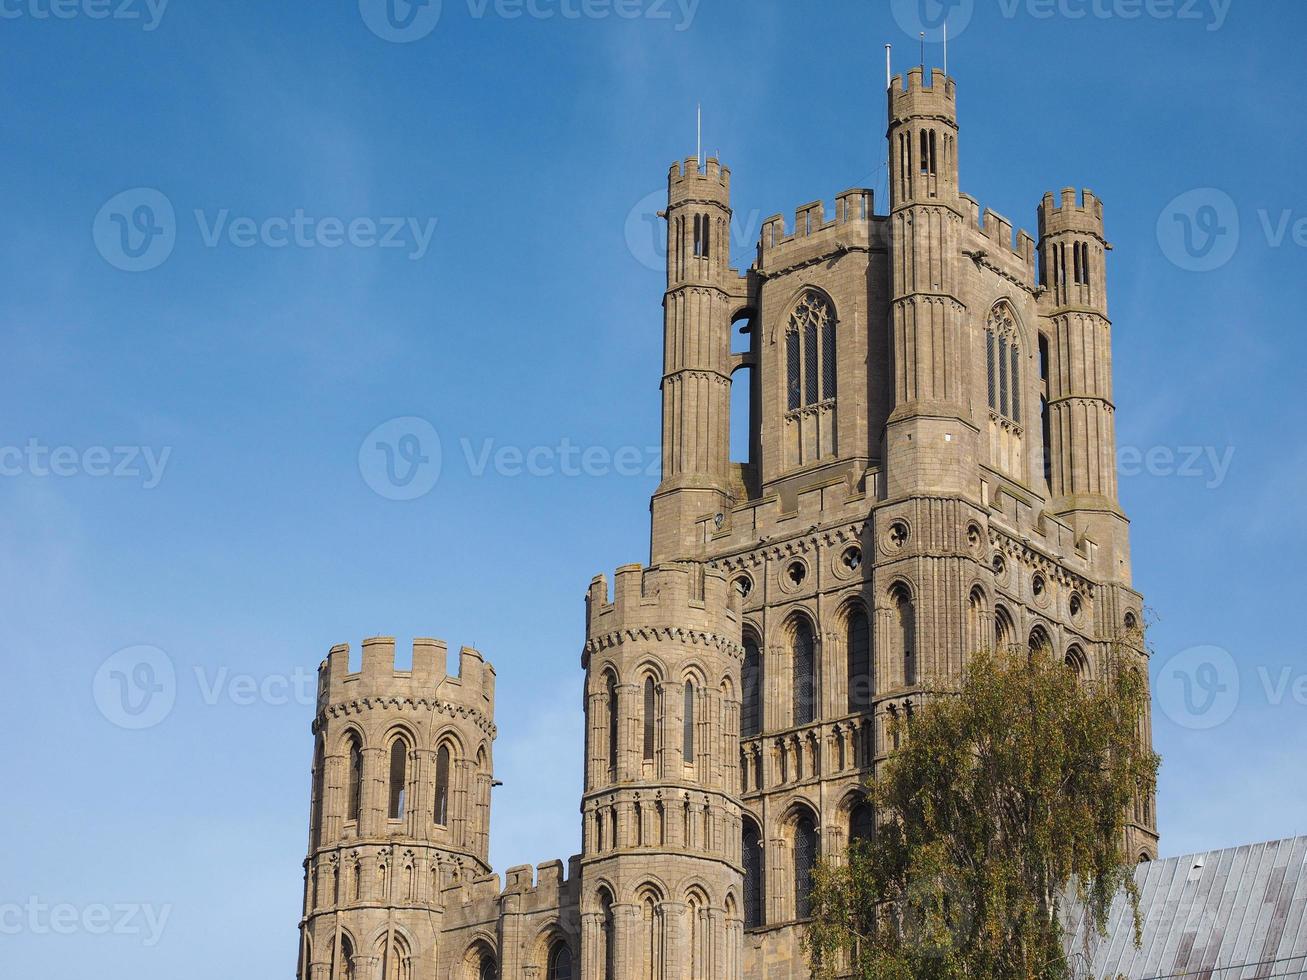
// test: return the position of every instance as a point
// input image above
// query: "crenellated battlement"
(856, 206)
(998, 230)
(473, 687)
(542, 887)
(915, 95)
(1071, 215)
(687, 597)
(687, 181)
(548, 887)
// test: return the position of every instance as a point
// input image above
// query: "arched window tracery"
(858, 640)
(650, 718)
(687, 734)
(1003, 363)
(804, 658)
(810, 356)
(805, 859)
(903, 633)
(611, 693)
(354, 804)
(608, 931)
(751, 695)
(752, 857)
(443, 760)
(319, 790)
(560, 961)
(862, 822)
(398, 795)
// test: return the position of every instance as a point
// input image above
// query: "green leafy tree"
(1003, 801)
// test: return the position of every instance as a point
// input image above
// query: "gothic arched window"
(442, 786)
(1004, 629)
(810, 352)
(396, 958)
(609, 930)
(751, 847)
(862, 823)
(398, 779)
(611, 684)
(1039, 641)
(355, 802)
(1077, 663)
(858, 637)
(650, 709)
(344, 967)
(977, 633)
(1003, 364)
(805, 858)
(805, 680)
(903, 634)
(688, 732)
(319, 762)
(702, 235)
(560, 962)
(751, 695)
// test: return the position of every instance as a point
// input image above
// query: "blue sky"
(231, 385)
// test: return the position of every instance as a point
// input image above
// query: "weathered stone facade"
(931, 472)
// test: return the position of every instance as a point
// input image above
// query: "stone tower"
(660, 873)
(930, 473)
(696, 386)
(400, 808)
(928, 341)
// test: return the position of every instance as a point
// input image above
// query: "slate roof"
(1226, 915)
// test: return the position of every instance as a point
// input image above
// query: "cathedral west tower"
(930, 473)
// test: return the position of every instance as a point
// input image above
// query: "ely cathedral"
(931, 472)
